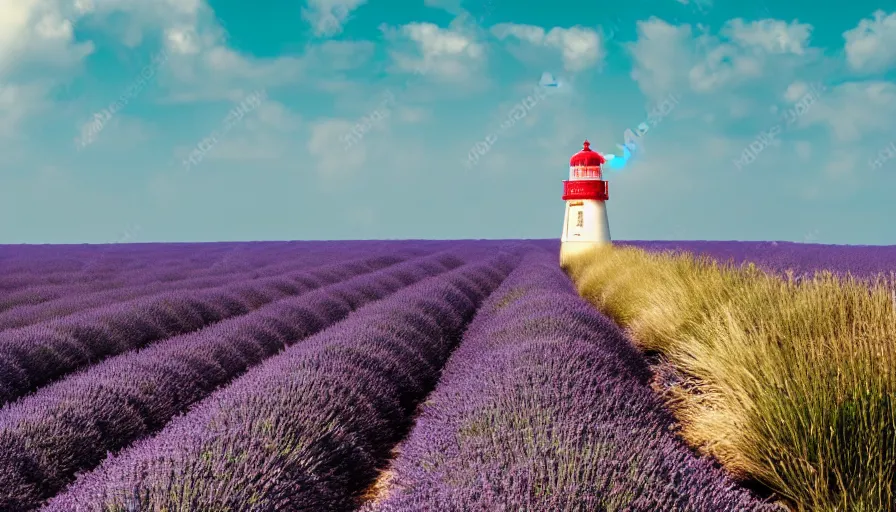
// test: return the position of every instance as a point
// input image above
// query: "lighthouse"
(585, 224)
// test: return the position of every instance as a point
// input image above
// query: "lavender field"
(342, 376)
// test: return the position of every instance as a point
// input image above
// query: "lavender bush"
(36, 355)
(144, 267)
(307, 429)
(46, 438)
(38, 283)
(27, 266)
(546, 406)
(208, 269)
(73, 298)
(106, 266)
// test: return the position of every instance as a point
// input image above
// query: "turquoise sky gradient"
(280, 169)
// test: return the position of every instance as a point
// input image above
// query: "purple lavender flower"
(36, 355)
(307, 429)
(70, 426)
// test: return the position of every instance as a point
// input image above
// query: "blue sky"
(279, 86)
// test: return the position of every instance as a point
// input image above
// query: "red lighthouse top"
(585, 165)
(587, 157)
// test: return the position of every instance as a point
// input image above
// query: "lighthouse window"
(580, 219)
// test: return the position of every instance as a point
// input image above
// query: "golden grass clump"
(789, 382)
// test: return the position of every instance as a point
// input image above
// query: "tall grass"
(788, 381)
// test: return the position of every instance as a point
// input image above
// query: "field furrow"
(545, 406)
(68, 427)
(33, 356)
(307, 429)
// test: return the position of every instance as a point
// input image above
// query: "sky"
(211, 120)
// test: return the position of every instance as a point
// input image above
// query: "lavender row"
(71, 301)
(203, 270)
(151, 272)
(35, 303)
(116, 265)
(100, 273)
(545, 406)
(307, 429)
(108, 264)
(36, 355)
(28, 265)
(46, 438)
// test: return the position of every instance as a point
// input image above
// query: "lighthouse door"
(575, 227)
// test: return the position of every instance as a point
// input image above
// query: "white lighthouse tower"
(585, 224)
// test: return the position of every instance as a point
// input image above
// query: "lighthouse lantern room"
(585, 224)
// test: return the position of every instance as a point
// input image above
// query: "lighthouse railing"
(590, 172)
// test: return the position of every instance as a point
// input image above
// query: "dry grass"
(789, 382)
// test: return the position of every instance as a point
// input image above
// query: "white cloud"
(118, 132)
(668, 57)
(795, 91)
(661, 54)
(84, 6)
(436, 42)
(581, 48)
(19, 102)
(267, 133)
(413, 115)
(328, 17)
(770, 36)
(182, 40)
(855, 110)
(41, 31)
(273, 115)
(451, 6)
(39, 35)
(200, 50)
(31, 29)
(35, 31)
(187, 77)
(529, 33)
(768, 56)
(327, 146)
(724, 65)
(746, 54)
(448, 54)
(871, 46)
